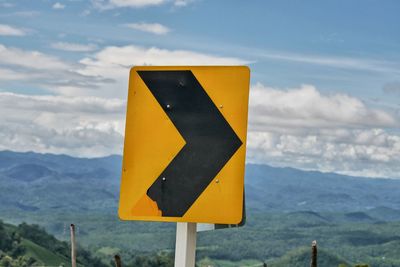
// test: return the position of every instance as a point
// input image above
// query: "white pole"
(185, 248)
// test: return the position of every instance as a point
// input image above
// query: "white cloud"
(94, 126)
(62, 104)
(45, 71)
(114, 63)
(182, 3)
(80, 126)
(22, 14)
(332, 61)
(29, 59)
(135, 3)
(368, 152)
(305, 129)
(154, 28)
(131, 55)
(7, 30)
(73, 47)
(306, 107)
(109, 4)
(6, 74)
(104, 73)
(58, 5)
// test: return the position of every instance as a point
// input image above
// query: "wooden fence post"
(118, 262)
(73, 248)
(314, 254)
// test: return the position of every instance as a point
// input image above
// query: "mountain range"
(36, 182)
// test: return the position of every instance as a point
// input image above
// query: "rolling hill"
(30, 245)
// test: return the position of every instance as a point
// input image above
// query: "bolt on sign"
(185, 144)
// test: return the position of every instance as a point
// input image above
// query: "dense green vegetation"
(275, 238)
(354, 220)
(31, 245)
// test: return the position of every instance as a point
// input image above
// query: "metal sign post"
(185, 248)
(175, 116)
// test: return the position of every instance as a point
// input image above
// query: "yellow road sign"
(185, 144)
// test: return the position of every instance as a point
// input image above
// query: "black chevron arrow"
(210, 140)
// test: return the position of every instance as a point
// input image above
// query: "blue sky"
(325, 74)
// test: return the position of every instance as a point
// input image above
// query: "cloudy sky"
(325, 85)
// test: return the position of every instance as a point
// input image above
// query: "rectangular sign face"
(185, 144)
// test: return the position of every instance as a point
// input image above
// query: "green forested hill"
(279, 240)
(43, 256)
(29, 245)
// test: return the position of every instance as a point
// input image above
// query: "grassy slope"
(43, 255)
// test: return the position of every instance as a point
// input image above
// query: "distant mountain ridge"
(60, 163)
(32, 181)
(288, 189)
